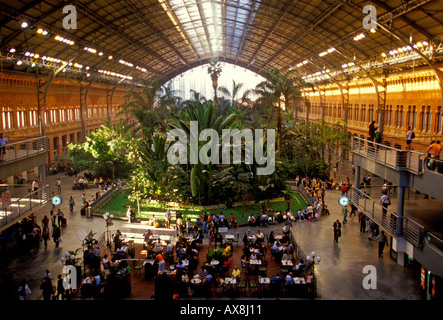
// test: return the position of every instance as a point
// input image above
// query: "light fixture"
(331, 50)
(373, 30)
(323, 53)
(110, 57)
(100, 53)
(425, 43)
(39, 31)
(12, 50)
(24, 25)
(359, 37)
(19, 62)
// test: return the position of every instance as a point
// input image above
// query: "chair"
(241, 286)
(236, 239)
(253, 286)
(138, 268)
(284, 271)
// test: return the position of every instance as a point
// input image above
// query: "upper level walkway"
(405, 168)
(20, 201)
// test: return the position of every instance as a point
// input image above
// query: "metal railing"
(105, 197)
(21, 207)
(390, 221)
(25, 149)
(391, 157)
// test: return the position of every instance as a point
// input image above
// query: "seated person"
(287, 256)
(180, 266)
(234, 223)
(254, 256)
(181, 252)
(152, 221)
(105, 262)
(260, 236)
(276, 279)
(121, 253)
(245, 263)
(288, 279)
(299, 267)
(236, 273)
(148, 236)
(251, 220)
(202, 273)
(264, 219)
(219, 282)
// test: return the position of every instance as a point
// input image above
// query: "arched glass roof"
(124, 40)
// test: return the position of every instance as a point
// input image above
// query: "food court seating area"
(205, 270)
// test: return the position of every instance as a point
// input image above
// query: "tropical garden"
(137, 151)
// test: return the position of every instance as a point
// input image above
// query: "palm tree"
(234, 93)
(279, 88)
(141, 106)
(201, 176)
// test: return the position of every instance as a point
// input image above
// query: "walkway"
(340, 272)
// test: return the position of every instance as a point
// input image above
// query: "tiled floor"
(340, 272)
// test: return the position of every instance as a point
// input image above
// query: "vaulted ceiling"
(159, 39)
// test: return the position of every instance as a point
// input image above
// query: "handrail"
(25, 149)
(395, 225)
(20, 207)
(392, 157)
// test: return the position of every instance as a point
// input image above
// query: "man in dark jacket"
(372, 129)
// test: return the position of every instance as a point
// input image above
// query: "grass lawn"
(118, 206)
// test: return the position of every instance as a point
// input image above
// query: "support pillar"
(400, 208)
(109, 95)
(84, 90)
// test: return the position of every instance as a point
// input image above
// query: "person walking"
(337, 230)
(3, 142)
(382, 243)
(385, 201)
(409, 136)
(363, 219)
(56, 235)
(344, 210)
(71, 204)
(45, 235)
(23, 290)
(60, 288)
(47, 289)
(59, 185)
(61, 217)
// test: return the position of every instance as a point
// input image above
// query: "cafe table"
(214, 262)
(255, 262)
(230, 281)
(287, 263)
(185, 262)
(299, 280)
(229, 237)
(196, 281)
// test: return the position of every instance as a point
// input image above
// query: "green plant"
(216, 254)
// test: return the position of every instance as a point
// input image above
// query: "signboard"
(6, 198)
